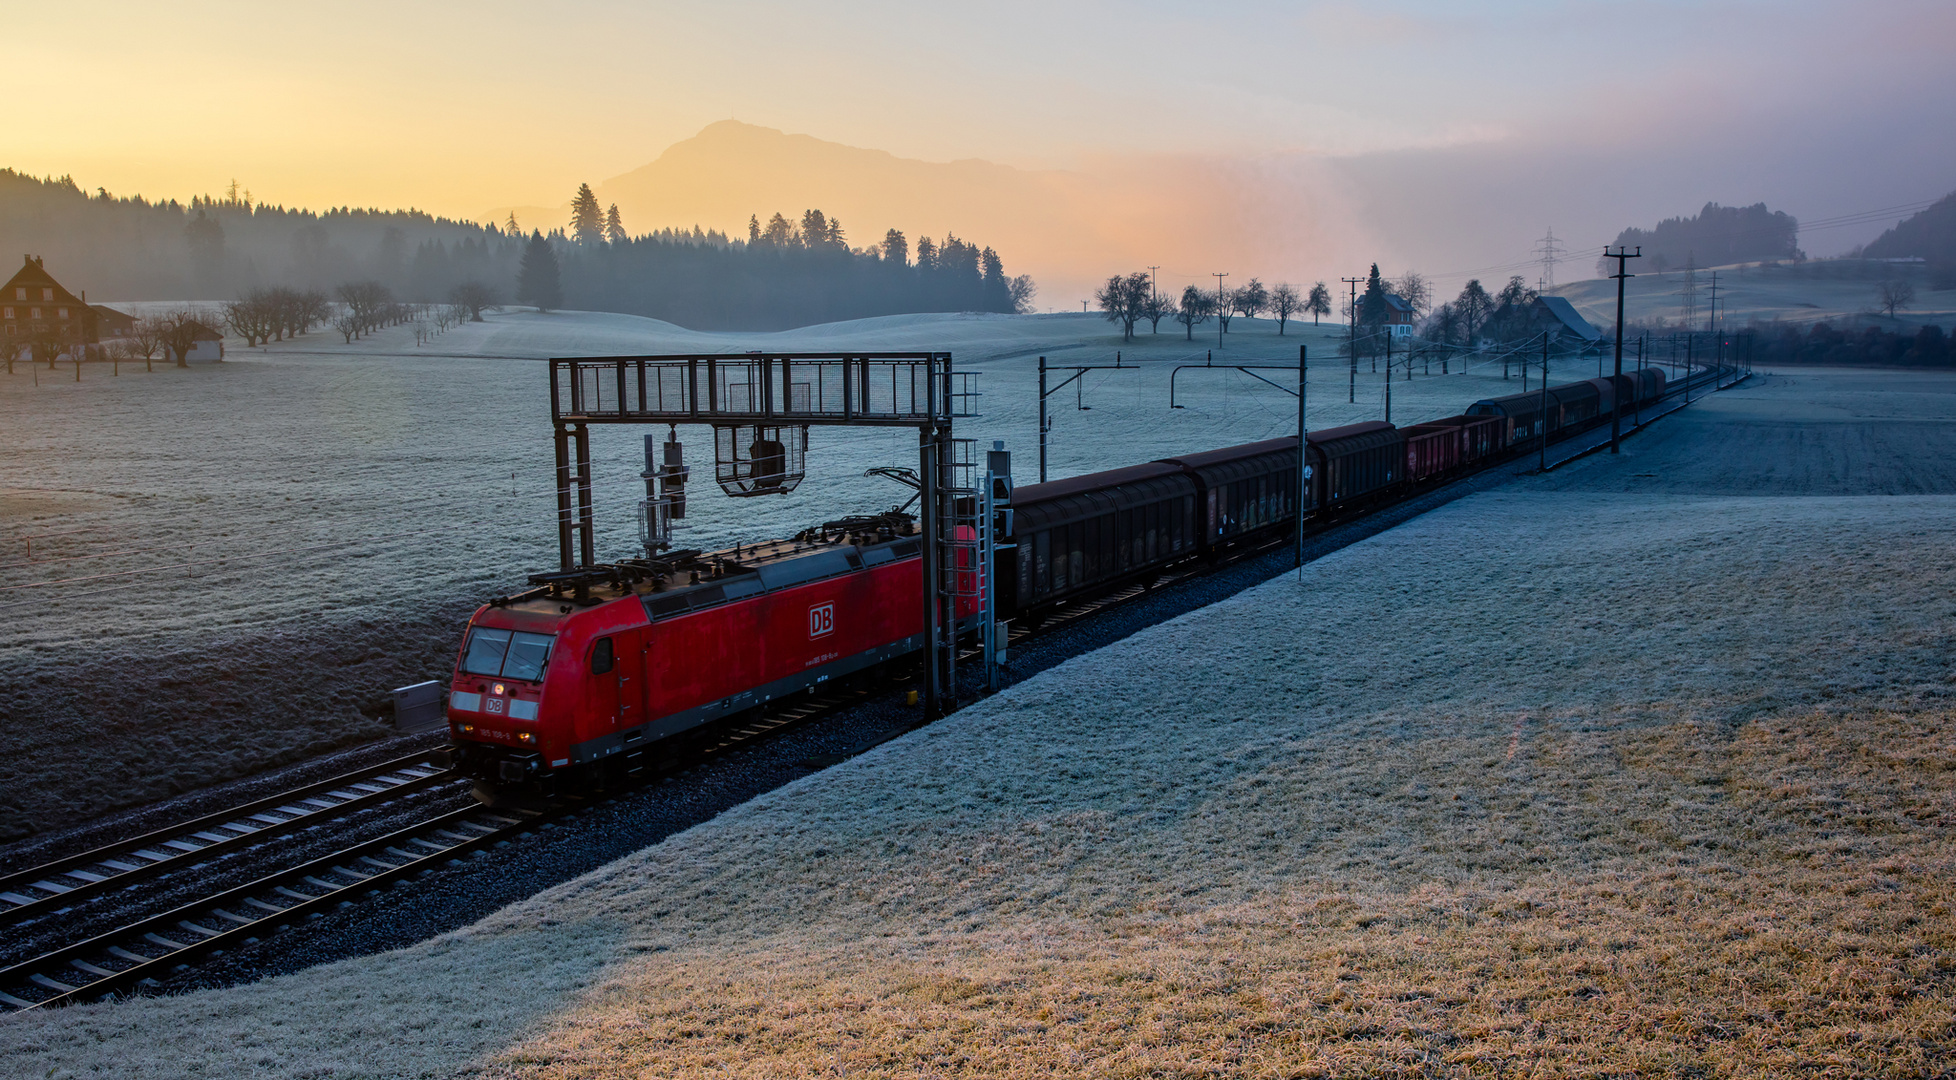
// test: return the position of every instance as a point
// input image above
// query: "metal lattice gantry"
(768, 392)
(888, 389)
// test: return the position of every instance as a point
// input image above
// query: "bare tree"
(1473, 306)
(1285, 302)
(1194, 309)
(178, 330)
(474, 297)
(1155, 308)
(313, 307)
(370, 303)
(1318, 303)
(1894, 295)
(1250, 300)
(1121, 300)
(1020, 288)
(145, 338)
(348, 324)
(1413, 288)
(256, 316)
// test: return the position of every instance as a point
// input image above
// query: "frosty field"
(1642, 767)
(211, 570)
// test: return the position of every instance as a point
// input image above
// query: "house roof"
(1562, 311)
(32, 275)
(1396, 302)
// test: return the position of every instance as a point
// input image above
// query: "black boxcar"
(1356, 460)
(1244, 489)
(1083, 533)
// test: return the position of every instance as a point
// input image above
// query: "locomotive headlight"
(468, 729)
(500, 689)
(526, 736)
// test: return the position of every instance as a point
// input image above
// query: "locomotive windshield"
(509, 654)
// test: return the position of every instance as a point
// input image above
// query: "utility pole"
(1541, 410)
(1154, 291)
(1303, 461)
(1222, 302)
(1622, 257)
(1042, 420)
(1388, 415)
(1351, 317)
(1711, 320)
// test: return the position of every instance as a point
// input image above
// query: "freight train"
(597, 672)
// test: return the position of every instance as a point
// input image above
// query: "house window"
(33, 313)
(61, 313)
(47, 294)
(20, 294)
(6, 313)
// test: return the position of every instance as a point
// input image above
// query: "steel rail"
(55, 885)
(249, 910)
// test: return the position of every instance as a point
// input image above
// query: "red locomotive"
(584, 672)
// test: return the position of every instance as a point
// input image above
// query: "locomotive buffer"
(760, 406)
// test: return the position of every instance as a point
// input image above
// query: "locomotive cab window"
(602, 656)
(505, 653)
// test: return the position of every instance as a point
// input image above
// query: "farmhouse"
(35, 309)
(1399, 316)
(1565, 327)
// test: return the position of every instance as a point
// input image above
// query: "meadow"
(1638, 768)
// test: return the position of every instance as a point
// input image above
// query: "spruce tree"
(614, 226)
(537, 279)
(587, 217)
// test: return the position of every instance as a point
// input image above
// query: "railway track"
(60, 885)
(141, 954)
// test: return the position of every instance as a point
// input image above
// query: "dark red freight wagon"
(1431, 450)
(1245, 489)
(1084, 533)
(1357, 460)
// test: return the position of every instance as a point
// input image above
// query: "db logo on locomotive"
(821, 620)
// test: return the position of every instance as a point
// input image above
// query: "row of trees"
(263, 315)
(1127, 300)
(1130, 299)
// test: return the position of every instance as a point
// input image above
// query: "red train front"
(593, 668)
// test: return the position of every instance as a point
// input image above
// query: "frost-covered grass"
(243, 555)
(1556, 780)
